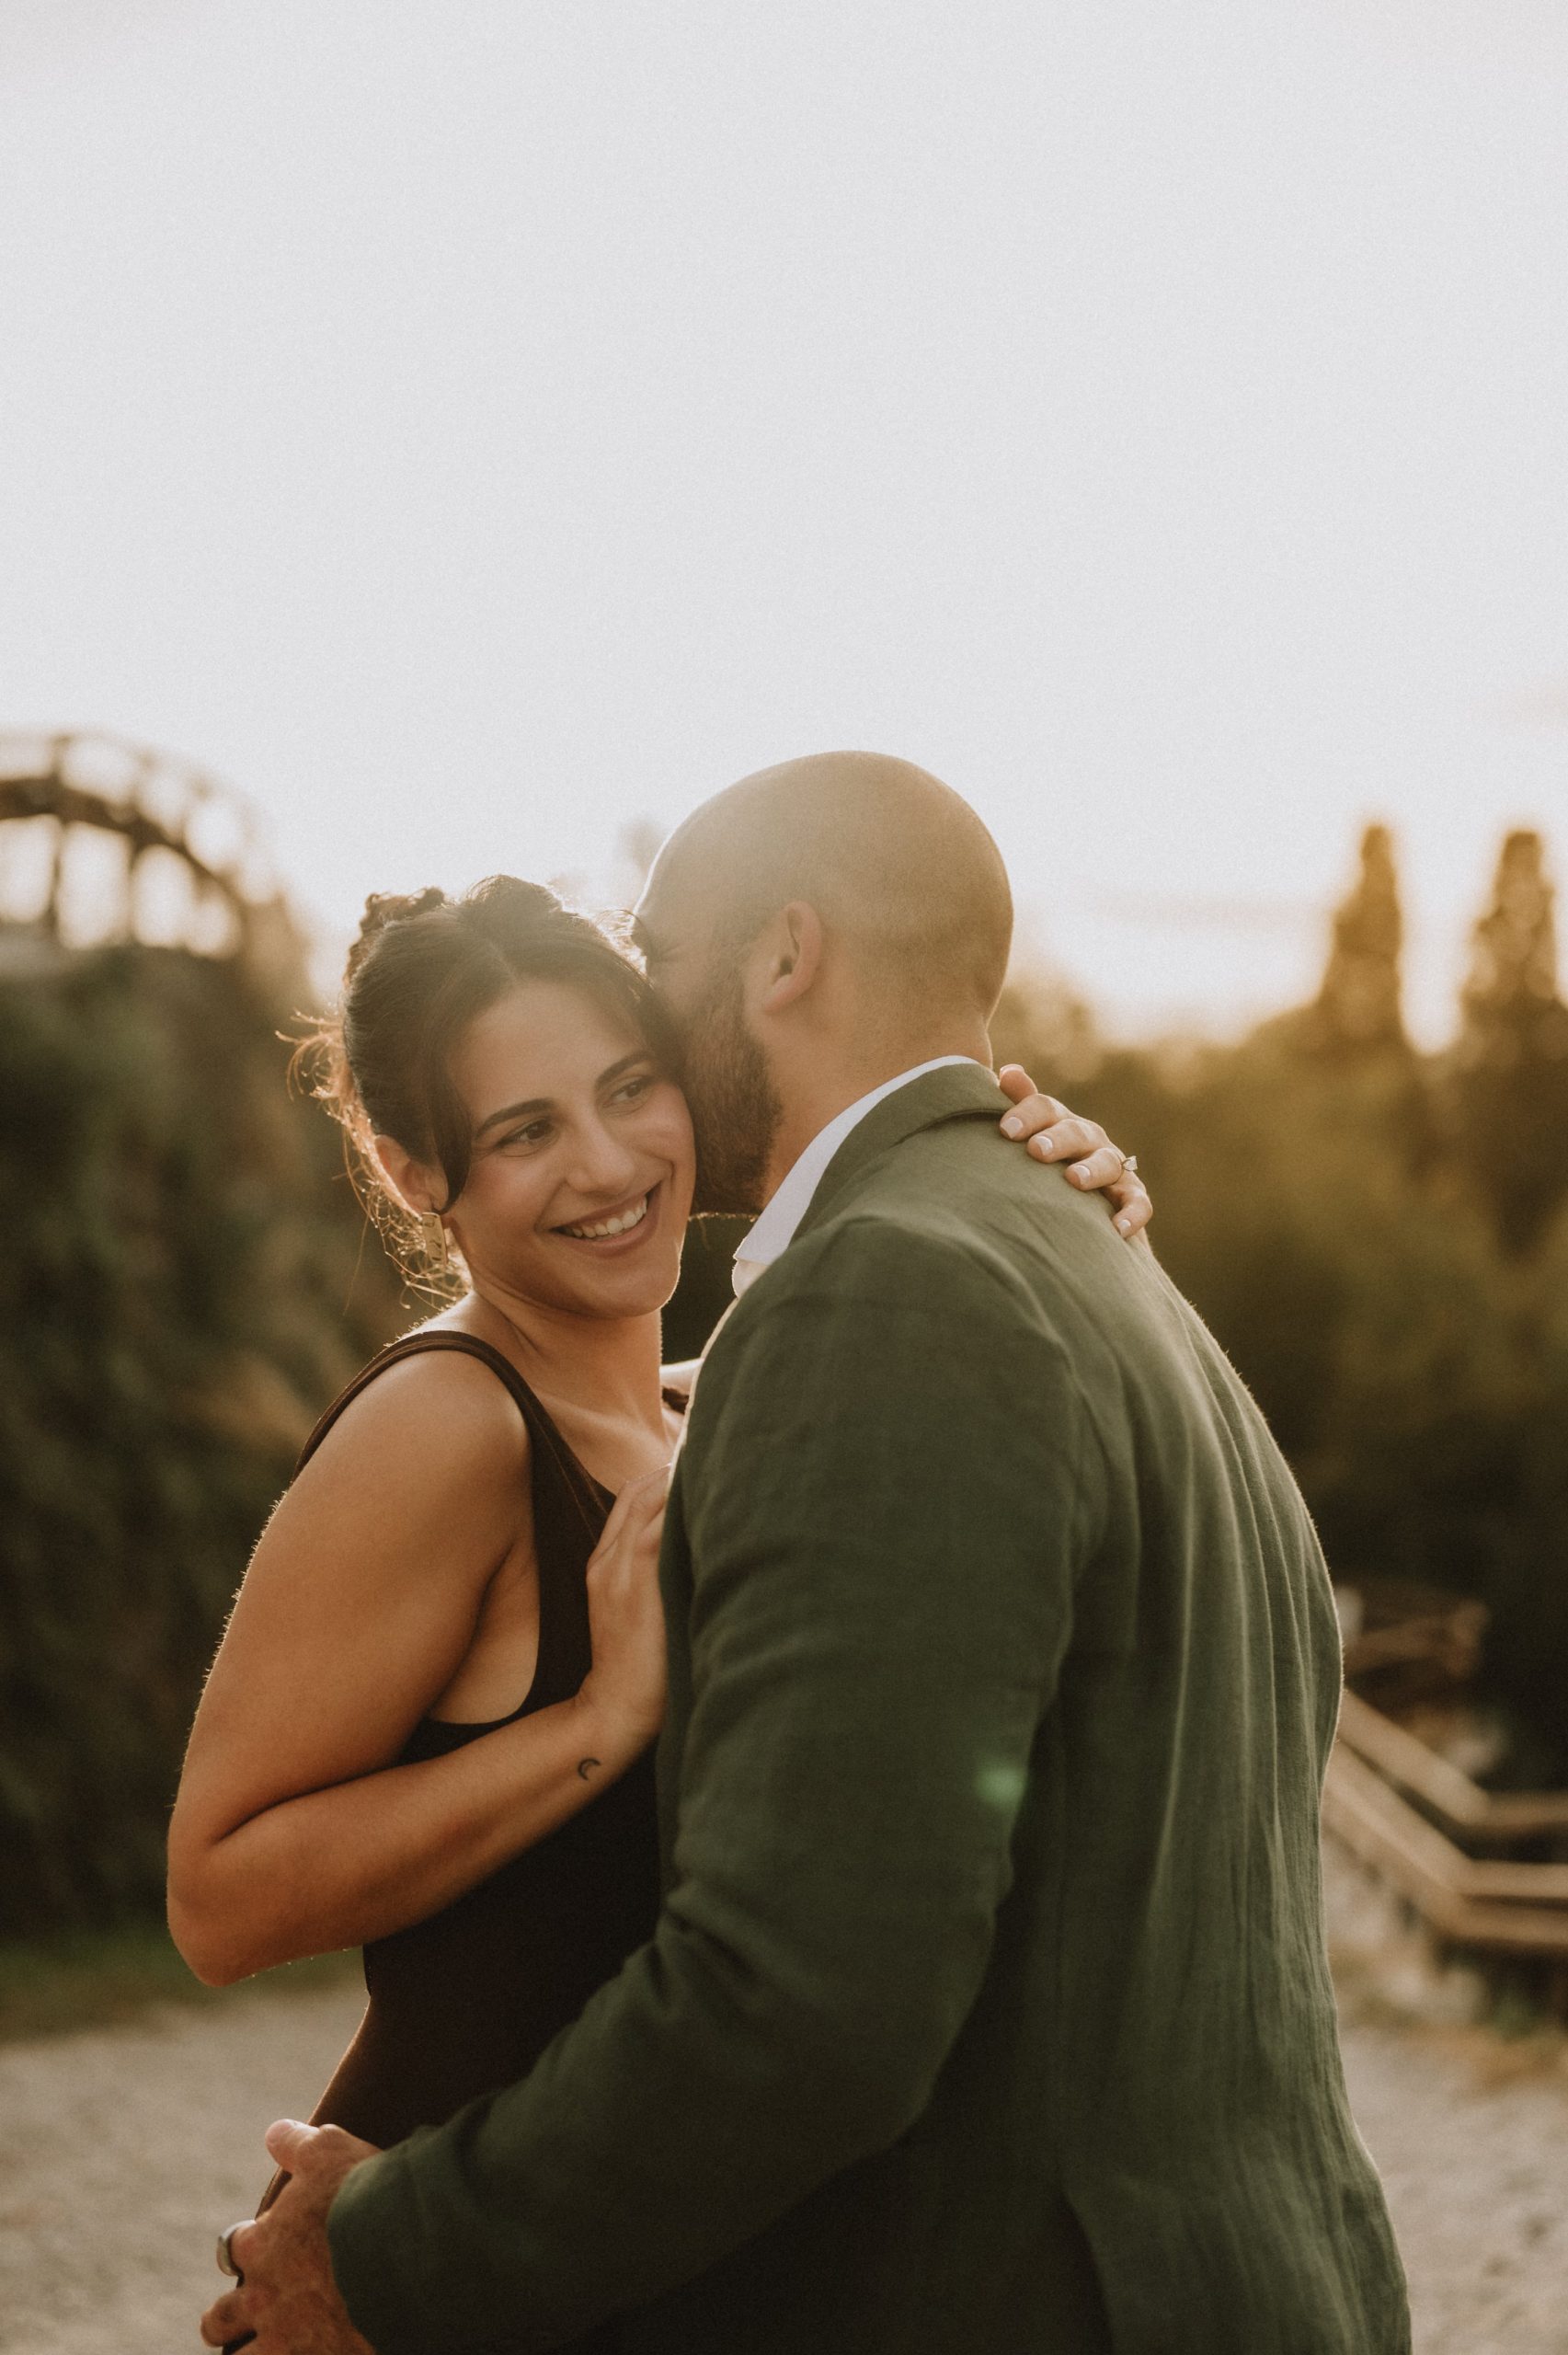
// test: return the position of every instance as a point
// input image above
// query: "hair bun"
(511, 897)
(392, 907)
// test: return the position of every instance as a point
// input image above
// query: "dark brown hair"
(423, 967)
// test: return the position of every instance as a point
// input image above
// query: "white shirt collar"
(774, 1230)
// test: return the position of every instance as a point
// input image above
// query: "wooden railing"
(1396, 1804)
(1443, 1790)
(152, 807)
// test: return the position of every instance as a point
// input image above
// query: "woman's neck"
(605, 1366)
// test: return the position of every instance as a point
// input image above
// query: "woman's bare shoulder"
(435, 1411)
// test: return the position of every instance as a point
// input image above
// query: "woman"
(427, 1728)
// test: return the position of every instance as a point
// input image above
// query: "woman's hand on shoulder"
(1051, 1132)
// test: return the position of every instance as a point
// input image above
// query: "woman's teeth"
(621, 1226)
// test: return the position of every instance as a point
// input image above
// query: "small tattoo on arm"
(585, 1767)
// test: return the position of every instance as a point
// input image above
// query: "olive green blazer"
(987, 2013)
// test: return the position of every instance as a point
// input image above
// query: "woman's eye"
(631, 1091)
(535, 1132)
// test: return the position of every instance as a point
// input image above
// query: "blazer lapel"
(958, 1091)
(692, 1393)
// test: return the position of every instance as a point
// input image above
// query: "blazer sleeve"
(883, 1552)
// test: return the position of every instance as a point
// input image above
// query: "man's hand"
(288, 2299)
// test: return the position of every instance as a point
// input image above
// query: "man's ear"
(794, 956)
(414, 1184)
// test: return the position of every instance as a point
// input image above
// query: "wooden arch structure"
(157, 810)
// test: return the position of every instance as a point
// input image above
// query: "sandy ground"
(1475, 2174)
(124, 2149)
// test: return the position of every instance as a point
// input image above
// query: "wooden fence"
(1414, 1818)
(152, 809)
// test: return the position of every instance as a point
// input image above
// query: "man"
(987, 2013)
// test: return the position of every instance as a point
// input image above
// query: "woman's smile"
(628, 1223)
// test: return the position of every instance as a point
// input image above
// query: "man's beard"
(736, 1110)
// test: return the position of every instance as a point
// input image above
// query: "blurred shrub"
(179, 1295)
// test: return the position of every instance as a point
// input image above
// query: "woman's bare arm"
(293, 1834)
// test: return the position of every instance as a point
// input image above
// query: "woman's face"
(581, 1180)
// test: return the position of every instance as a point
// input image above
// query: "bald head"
(898, 868)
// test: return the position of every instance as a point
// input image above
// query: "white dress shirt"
(774, 1230)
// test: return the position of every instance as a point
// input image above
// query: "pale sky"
(469, 425)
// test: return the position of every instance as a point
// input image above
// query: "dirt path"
(124, 2149)
(1475, 2178)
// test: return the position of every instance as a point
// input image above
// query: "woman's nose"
(602, 1163)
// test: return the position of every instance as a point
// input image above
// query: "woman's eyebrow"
(537, 1104)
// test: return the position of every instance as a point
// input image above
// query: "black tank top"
(464, 2002)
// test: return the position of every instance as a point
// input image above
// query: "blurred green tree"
(1359, 1008)
(1508, 1073)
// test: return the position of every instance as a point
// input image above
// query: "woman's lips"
(621, 1229)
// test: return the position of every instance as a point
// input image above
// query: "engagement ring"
(225, 2254)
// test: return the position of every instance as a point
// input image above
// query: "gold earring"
(442, 1258)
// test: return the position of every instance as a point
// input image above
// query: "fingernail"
(1044, 1148)
(1121, 1225)
(1013, 1126)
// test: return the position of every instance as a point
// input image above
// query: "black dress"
(466, 2002)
